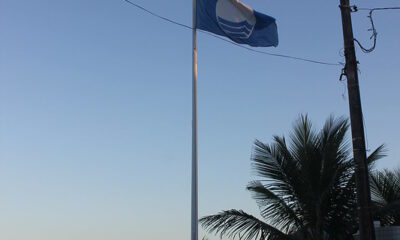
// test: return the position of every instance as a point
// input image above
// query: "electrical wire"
(157, 15)
(271, 54)
(373, 29)
(231, 42)
(378, 9)
(374, 35)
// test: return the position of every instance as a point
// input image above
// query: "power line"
(271, 54)
(378, 9)
(158, 16)
(231, 42)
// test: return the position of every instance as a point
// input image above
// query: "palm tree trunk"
(318, 223)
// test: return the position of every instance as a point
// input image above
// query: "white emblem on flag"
(235, 18)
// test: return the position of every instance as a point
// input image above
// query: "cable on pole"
(374, 35)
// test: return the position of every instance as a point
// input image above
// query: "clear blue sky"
(95, 110)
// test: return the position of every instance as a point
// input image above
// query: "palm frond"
(237, 224)
(377, 154)
(336, 166)
(380, 152)
(303, 139)
(385, 189)
(275, 209)
(269, 163)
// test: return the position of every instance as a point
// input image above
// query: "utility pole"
(366, 227)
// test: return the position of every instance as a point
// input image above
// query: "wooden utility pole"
(366, 226)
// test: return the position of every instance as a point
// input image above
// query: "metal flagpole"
(194, 213)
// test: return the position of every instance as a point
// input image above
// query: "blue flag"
(237, 21)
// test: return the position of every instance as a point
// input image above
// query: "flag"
(236, 21)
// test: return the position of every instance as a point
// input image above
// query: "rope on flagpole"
(231, 42)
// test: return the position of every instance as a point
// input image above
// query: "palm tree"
(385, 190)
(306, 190)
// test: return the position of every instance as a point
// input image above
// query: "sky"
(95, 110)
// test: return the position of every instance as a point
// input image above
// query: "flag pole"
(194, 213)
